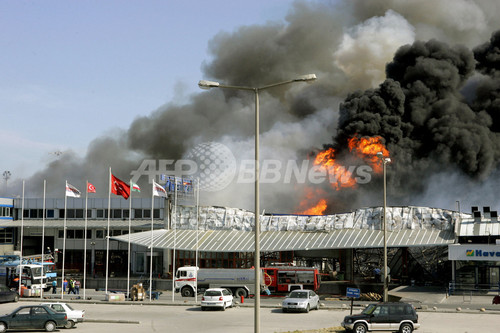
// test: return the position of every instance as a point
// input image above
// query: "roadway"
(437, 313)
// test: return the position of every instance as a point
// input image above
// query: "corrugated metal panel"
(484, 228)
(243, 241)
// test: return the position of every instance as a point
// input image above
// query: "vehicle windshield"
(298, 294)
(369, 309)
(36, 271)
(212, 293)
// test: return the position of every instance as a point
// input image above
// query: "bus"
(33, 275)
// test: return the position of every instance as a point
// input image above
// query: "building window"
(5, 212)
(100, 213)
(115, 232)
(138, 213)
(79, 213)
(99, 234)
(117, 214)
(50, 213)
(6, 236)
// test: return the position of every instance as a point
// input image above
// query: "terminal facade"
(346, 247)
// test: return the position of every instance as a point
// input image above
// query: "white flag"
(158, 190)
(72, 191)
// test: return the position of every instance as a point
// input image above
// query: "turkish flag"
(119, 187)
(90, 188)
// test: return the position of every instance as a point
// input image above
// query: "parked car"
(32, 317)
(216, 298)
(382, 316)
(8, 295)
(300, 300)
(74, 316)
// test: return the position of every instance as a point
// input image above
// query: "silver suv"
(387, 316)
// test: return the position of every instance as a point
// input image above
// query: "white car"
(74, 316)
(301, 300)
(216, 298)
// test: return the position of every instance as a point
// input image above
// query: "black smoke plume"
(434, 104)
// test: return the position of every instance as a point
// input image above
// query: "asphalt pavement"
(432, 299)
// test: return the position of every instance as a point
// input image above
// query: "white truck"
(240, 281)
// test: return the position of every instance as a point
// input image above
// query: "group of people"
(73, 286)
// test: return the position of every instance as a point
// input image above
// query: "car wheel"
(3, 327)
(16, 298)
(307, 308)
(50, 326)
(69, 324)
(187, 292)
(406, 328)
(317, 305)
(203, 308)
(240, 292)
(224, 306)
(360, 328)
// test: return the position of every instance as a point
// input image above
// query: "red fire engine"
(282, 279)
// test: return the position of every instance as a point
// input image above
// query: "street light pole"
(385, 160)
(211, 84)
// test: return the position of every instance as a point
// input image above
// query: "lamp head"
(306, 78)
(204, 84)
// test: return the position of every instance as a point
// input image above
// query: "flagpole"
(151, 254)
(85, 242)
(107, 238)
(43, 239)
(175, 236)
(129, 231)
(64, 239)
(196, 255)
(21, 250)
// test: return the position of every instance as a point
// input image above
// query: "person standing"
(77, 287)
(71, 286)
(54, 287)
(65, 285)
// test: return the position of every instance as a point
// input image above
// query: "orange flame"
(311, 196)
(365, 148)
(338, 175)
(319, 209)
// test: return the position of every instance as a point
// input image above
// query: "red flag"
(90, 188)
(119, 187)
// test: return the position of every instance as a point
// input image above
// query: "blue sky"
(75, 70)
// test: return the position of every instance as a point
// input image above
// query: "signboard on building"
(474, 252)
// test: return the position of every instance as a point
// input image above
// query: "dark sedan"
(33, 317)
(7, 295)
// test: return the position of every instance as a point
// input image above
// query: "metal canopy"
(243, 241)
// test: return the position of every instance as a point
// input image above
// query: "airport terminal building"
(346, 246)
